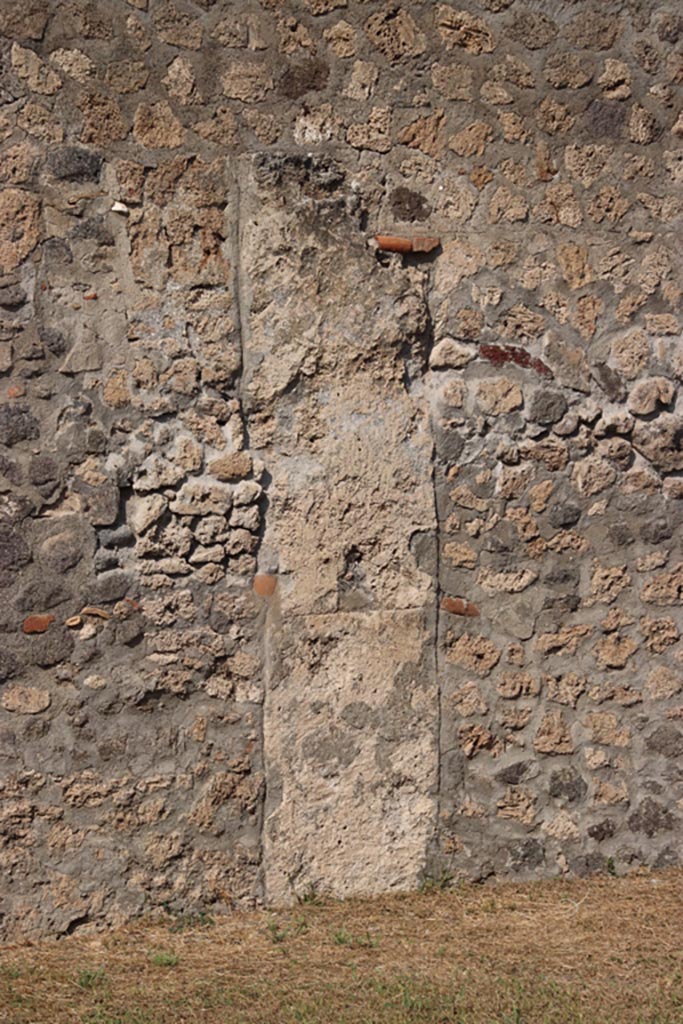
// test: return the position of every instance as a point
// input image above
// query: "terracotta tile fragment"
(37, 623)
(459, 606)
(395, 243)
(392, 243)
(264, 585)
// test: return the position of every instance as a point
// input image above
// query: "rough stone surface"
(323, 567)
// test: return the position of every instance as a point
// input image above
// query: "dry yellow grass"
(603, 950)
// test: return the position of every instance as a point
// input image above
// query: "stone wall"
(324, 566)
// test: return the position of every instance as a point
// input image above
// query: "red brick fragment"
(459, 606)
(264, 585)
(37, 623)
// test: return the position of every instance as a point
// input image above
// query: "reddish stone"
(264, 585)
(501, 354)
(37, 623)
(15, 391)
(459, 606)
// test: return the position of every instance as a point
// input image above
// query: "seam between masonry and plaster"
(242, 326)
(436, 632)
